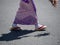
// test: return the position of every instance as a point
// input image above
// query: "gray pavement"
(47, 15)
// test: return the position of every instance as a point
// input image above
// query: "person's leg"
(39, 26)
(15, 27)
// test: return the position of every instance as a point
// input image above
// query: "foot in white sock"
(39, 27)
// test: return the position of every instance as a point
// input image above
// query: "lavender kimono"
(26, 14)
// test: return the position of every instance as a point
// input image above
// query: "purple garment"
(26, 14)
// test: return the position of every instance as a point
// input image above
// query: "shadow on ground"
(44, 34)
(13, 35)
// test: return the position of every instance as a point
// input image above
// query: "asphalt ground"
(47, 15)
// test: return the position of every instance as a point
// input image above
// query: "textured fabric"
(26, 14)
